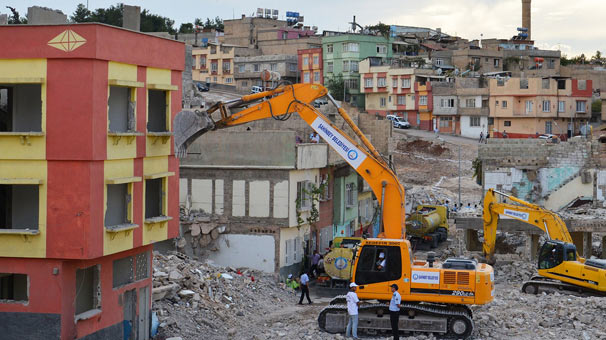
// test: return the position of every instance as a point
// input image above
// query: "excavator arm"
(286, 100)
(533, 214)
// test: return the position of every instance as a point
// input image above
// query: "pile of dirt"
(424, 146)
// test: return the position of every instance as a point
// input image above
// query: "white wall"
(258, 199)
(236, 251)
(201, 194)
(291, 238)
(238, 202)
(183, 191)
(281, 199)
(473, 132)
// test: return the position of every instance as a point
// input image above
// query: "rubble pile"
(200, 230)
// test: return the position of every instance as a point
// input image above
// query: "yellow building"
(214, 64)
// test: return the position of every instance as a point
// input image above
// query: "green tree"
(597, 58)
(219, 24)
(335, 87)
(198, 22)
(156, 23)
(15, 18)
(111, 16)
(82, 14)
(186, 28)
(596, 106)
(379, 28)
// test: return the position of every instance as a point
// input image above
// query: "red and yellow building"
(88, 177)
(310, 66)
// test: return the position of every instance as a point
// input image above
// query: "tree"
(15, 18)
(215, 23)
(379, 28)
(596, 106)
(186, 28)
(335, 86)
(156, 23)
(219, 24)
(597, 58)
(110, 16)
(82, 14)
(198, 22)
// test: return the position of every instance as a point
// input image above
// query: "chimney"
(526, 16)
(243, 16)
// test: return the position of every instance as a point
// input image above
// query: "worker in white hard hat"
(352, 311)
(291, 282)
(381, 262)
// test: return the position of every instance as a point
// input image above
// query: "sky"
(572, 26)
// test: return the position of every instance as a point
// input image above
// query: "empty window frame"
(88, 289)
(20, 108)
(121, 109)
(13, 287)
(19, 206)
(155, 193)
(157, 110)
(118, 210)
(561, 84)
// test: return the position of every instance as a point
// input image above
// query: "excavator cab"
(553, 253)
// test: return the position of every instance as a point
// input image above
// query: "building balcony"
(312, 156)
(474, 111)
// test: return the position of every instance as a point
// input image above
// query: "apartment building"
(249, 70)
(526, 106)
(445, 107)
(214, 63)
(87, 178)
(311, 66)
(267, 197)
(473, 98)
(390, 89)
(342, 53)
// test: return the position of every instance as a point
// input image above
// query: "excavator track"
(443, 321)
(539, 284)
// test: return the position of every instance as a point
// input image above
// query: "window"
(215, 79)
(528, 106)
(439, 61)
(523, 83)
(214, 66)
(292, 67)
(446, 102)
(157, 108)
(316, 76)
(551, 64)
(256, 67)
(228, 80)
(118, 205)
(582, 84)
(241, 68)
(202, 61)
(445, 122)
(561, 84)
(496, 102)
(381, 49)
(329, 67)
(329, 48)
(382, 101)
(121, 109)
(351, 47)
(324, 184)
(405, 83)
(304, 189)
(504, 104)
(305, 61)
(367, 271)
(13, 287)
(368, 82)
(354, 66)
(306, 77)
(19, 205)
(245, 84)
(474, 121)
(352, 84)
(423, 100)
(394, 82)
(401, 100)
(123, 270)
(273, 67)
(497, 62)
(316, 60)
(507, 123)
(581, 105)
(471, 102)
(154, 198)
(500, 81)
(88, 290)
(20, 108)
(381, 82)
(349, 193)
(561, 106)
(546, 105)
(226, 66)
(345, 65)
(546, 83)
(548, 127)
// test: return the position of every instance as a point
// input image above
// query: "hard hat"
(290, 276)
(353, 284)
(381, 255)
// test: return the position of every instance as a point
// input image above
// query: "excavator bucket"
(188, 125)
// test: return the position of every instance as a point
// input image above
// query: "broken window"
(154, 198)
(19, 206)
(121, 109)
(13, 287)
(118, 205)
(123, 271)
(20, 108)
(88, 289)
(157, 108)
(329, 48)
(381, 49)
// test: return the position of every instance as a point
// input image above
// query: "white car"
(256, 89)
(400, 123)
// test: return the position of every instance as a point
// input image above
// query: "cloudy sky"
(573, 26)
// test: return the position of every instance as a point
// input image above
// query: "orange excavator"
(435, 296)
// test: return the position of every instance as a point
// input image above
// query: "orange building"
(310, 66)
(88, 177)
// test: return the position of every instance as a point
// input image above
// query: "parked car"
(256, 89)
(550, 137)
(391, 117)
(400, 123)
(201, 87)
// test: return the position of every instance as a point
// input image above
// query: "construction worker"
(352, 311)
(304, 281)
(394, 311)
(292, 283)
(381, 262)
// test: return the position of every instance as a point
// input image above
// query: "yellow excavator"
(560, 267)
(435, 296)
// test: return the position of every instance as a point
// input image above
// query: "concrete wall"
(37, 15)
(236, 251)
(131, 17)
(312, 156)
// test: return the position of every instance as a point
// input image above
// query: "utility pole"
(459, 175)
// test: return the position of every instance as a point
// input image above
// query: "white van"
(256, 89)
